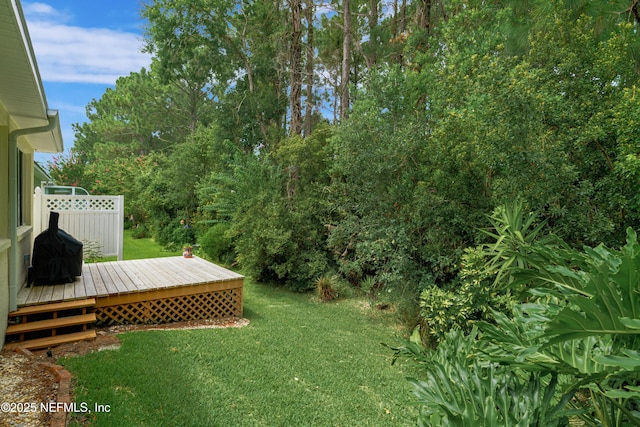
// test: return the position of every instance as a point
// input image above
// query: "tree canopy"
(375, 146)
(370, 139)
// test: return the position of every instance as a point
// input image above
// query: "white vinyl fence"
(97, 221)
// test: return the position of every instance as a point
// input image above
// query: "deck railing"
(97, 221)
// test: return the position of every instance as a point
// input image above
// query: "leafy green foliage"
(612, 285)
(176, 234)
(482, 283)
(458, 106)
(228, 52)
(327, 288)
(272, 205)
(67, 170)
(587, 329)
(389, 220)
(447, 123)
(140, 231)
(216, 244)
(459, 388)
(577, 335)
(514, 233)
(465, 302)
(141, 114)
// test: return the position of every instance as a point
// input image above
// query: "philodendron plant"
(571, 349)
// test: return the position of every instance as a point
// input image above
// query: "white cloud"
(39, 10)
(75, 54)
(71, 108)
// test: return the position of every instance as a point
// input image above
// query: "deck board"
(79, 289)
(159, 274)
(101, 289)
(33, 297)
(133, 276)
(148, 272)
(127, 277)
(58, 293)
(87, 282)
(47, 294)
(70, 291)
(23, 293)
(117, 273)
(100, 270)
(176, 273)
(114, 284)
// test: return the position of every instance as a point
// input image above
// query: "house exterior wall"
(24, 110)
(5, 242)
(24, 243)
(4, 290)
(27, 182)
(4, 173)
(25, 230)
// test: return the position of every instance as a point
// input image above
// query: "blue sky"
(81, 48)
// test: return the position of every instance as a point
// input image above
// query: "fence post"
(36, 220)
(120, 229)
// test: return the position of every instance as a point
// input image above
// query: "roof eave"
(21, 89)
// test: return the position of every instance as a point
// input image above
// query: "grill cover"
(57, 256)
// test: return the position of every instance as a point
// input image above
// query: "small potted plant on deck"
(187, 251)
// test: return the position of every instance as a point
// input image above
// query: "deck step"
(60, 322)
(54, 307)
(45, 342)
(48, 325)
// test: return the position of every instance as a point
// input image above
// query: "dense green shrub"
(485, 271)
(216, 244)
(273, 203)
(176, 234)
(140, 232)
(575, 333)
(391, 218)
(399, 189)
(465, 301)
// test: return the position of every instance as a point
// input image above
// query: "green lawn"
(298, 363)
(139, 249)
(143, 248)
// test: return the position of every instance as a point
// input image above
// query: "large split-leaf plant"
(574, 340)
(583, 323)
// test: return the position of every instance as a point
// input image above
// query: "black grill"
(57, 256)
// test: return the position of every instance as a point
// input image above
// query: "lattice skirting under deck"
(215, 304)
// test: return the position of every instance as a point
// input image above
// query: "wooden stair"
(48, 325)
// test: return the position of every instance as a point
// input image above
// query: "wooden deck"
(149, 290)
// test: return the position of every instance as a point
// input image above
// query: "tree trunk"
(346, 60)
(372, 60)
(424, 15)
(635, 10)
(398, 31)
(295, 64)
(309, 68)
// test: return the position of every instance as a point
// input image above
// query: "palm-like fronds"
(460, 389)
(593, 335)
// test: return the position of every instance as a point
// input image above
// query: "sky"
(82, 47)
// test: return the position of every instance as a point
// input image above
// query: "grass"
(143, 248)
(298, 363)
(139, 249)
